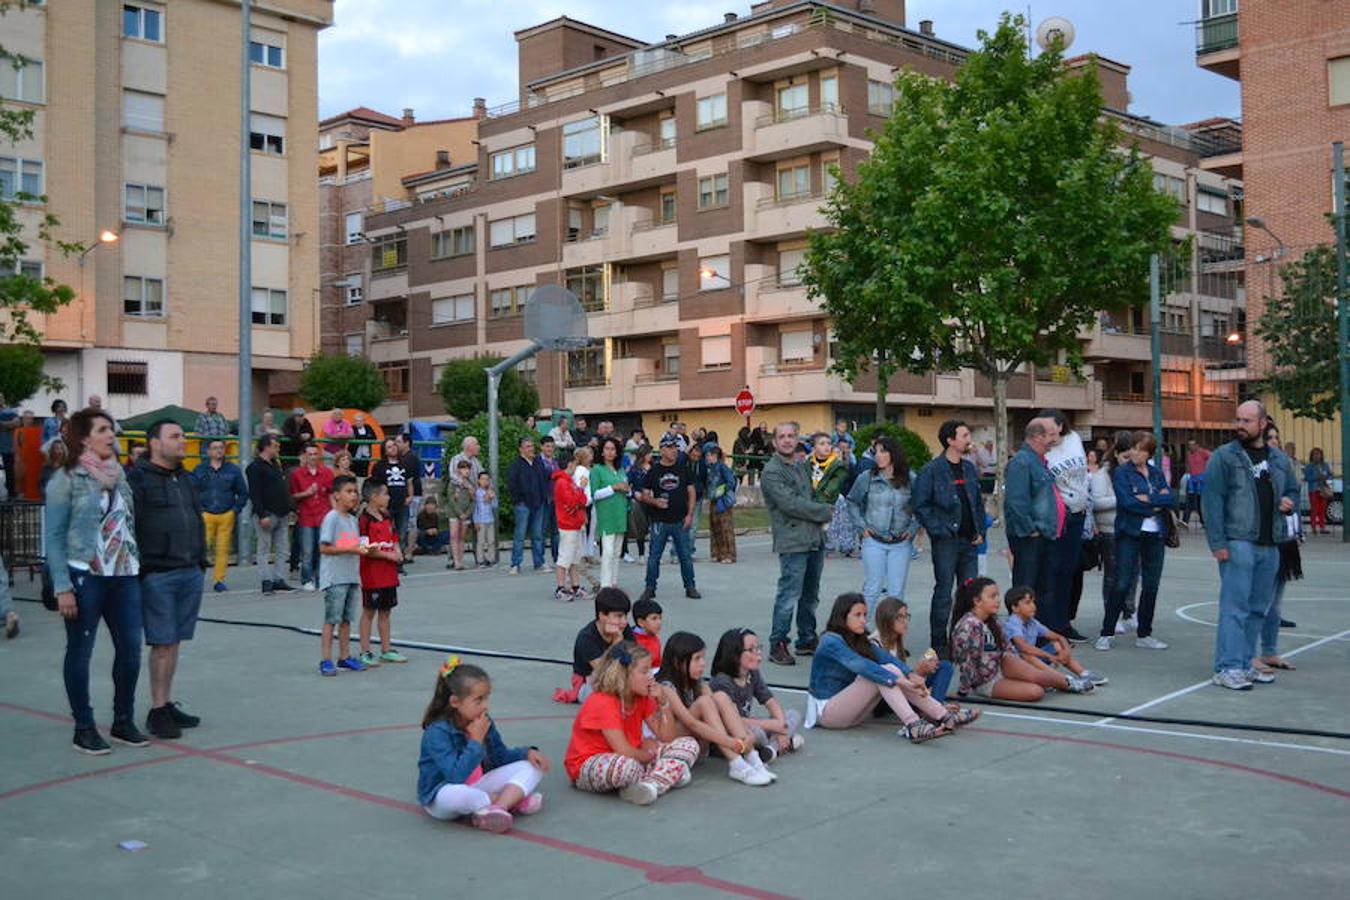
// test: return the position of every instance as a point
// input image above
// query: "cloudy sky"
(437, 55)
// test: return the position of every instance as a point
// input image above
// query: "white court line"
(1183, 614)
(1207, 682)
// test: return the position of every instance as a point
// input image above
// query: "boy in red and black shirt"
(379, 571)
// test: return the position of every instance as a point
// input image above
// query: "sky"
(435, 56)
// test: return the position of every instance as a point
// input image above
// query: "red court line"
(82, 776)
(373, 729)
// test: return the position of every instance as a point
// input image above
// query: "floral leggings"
(607, 772)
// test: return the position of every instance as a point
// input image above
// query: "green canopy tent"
(185, 417)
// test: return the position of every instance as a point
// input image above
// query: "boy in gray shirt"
(340, 552)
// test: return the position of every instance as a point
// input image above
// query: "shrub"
(463, 389)
(342, 382)
(510, 430)
(916, 449)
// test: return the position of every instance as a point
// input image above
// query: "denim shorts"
(340, 602)
(170, 602)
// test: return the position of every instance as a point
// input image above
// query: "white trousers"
(609, 559)
(455, 800)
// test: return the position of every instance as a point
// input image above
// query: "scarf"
(106, 471)
(820, 466)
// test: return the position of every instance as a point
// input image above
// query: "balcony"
(768, 215)
(1126, 410)
(1107, 341)
(780, 383)
(1218, 348)
(593, 248)
(769, 300)
(652, 237)
(796, 132)
(1217, 46)
(634, 309)
(635, 160)
(1062, 395)
(385, 284)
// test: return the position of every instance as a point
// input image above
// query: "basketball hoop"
(555, 320)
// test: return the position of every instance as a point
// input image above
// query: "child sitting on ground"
(1035, 643)
(485, 520)
(608, 752)
(708, 717)
(569, 504)
(465, 769)
(609, 627)
(892, 617)
(379, 572)
(430, 537)
(980, 651)
(736, 674)
(647, 628)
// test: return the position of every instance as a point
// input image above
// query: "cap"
(298, 411)
(670, 439)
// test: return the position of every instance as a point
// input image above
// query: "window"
(528, 370)
(356, 292)
(395, 379)
(452, 309)
(600, 221)
(266, 54)
(504, 302)
(880, 98)
(516, 161)
(461, 241)
(796, 347)
(670, 284)
(1338, 80)
(24, 83)
(1168, 184)
(829, 177)
(717, 352)
(20, 176)
(794, 182)
(29, 268)
(667, 132)
(356, 344)
(583, 142)
(829, 93)
(714, 191)
(712, 112)
(269, 306)
(143, 112)
(128, 377)
(670, 359)
(516, 230)
(269, 219)
(586, 368)
(588, 283)
(389, 253)
(142, 297)
(142, 22)
(714, 273)
(143, 204)
(1213, 8)
(789, 267)
(267, 133)
(793, 102)
(354, 226)
(440, 244)
(668, 207)
(1210, 202)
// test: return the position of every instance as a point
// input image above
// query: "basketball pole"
(494, 377)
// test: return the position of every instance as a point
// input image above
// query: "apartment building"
(671, 187)
(1292, 59)
(371, 161)
(136, 136)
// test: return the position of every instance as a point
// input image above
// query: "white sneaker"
(1120, 626)
(1129, 623)
(640, 793)
(757, 761)
(1233, 679)
(798, 742)
(1104, 643)
(514, 570)
(628, 558)
(1150, 643)
(742, 771)
(1256, 676)
(309, 586)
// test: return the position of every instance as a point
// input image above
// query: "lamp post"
(106, 236)
(1342, 314)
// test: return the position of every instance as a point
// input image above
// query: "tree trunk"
(998, 381)
(883, 384)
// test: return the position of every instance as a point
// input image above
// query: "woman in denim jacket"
(879, 504)
(94, 564)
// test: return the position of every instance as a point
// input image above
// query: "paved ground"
(303, 787)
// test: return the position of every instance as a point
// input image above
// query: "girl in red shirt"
(608, 752)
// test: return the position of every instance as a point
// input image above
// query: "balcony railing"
(798, 112)
(1216, 33)
(1115, 397)
(789, 199)
(655, 377)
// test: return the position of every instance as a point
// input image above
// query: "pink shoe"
(530, 805)
(493, 819)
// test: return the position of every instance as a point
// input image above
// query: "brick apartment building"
(1292, 58)
(671, 186)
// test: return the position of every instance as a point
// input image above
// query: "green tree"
(24, 295)
(1298, 332)
(510, 430)
(342, 381)
(917, 453)
(995, 217)
(463, 389)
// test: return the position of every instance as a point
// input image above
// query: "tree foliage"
(1298, 332)
(510, 429)
(20, 372)
(917, 452)
(995, 217)
(346, 382)
(464, 386)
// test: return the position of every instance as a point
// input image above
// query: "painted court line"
(1183, 613)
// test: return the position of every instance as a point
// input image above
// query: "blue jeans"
(941, 681)
(309, 553)
(799, 586)
(1135, 554)
(548, 516)
(1270, 626)
(1052, 603)
(675, 533)
(884, 565)
(117, 601)
(955, 560)
(1246, 590)
(531, 520)
(1032, 562)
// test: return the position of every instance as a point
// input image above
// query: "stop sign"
(745, 402)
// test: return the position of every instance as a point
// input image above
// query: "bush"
(916, 449)
(509, 432)
(464, 387)
(342, 382)
(20, 371)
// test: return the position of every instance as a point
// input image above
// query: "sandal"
(492, 819)
(1276, 662)
(919, 732)
(960, 718)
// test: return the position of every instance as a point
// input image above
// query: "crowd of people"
(130, 546)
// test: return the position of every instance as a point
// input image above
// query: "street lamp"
(1259, 223)
(106, 236)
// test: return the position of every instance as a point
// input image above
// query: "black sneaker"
(781, 655)
(1073, 636)
(1285, 623)
(127, 733)
(647, 594)
(88, 740)
(267, 587)
(809, 648)
(281, 587)
(693, 594)
(182, 719)
(159, 722)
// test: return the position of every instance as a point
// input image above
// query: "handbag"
(1171, 536)
(1090, 554)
